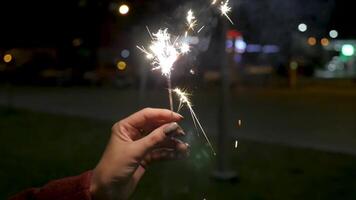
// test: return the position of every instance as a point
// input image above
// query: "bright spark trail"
(183, 99)
(225, 10)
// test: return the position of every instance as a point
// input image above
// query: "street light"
(302, 27)
(7, 58)
(124, 9)
(333, 34)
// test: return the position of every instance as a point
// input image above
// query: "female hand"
(130, 151)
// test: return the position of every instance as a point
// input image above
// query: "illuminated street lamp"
(7, 58)
(333, 34)
(124, 9)
(302, 27)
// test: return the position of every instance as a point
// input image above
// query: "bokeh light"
(121, 65)
(325, 42)
(333, 34)
(77, 42)
(302, 27)
(312, 41)
(124, 9)
(7, 58)
(348, 50)
(294, 65)
(125, 53)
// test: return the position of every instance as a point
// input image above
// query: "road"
(321, 118)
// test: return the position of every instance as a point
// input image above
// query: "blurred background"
(276, 93)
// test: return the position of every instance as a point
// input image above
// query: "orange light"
(77, 42)
(325, 42)
(7, 58)
(121, 65)
(312, 41)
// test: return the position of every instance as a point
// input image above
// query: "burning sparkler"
(183, 99)
(164, 53)
(191, 20)
(225, 10)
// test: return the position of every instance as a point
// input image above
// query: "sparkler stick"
(183, 97)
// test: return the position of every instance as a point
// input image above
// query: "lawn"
(38, 147)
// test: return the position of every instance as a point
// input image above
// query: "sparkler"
(191, 20)
(225, 10)
(183, 99)
(164, 53)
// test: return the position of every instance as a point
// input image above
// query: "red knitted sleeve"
(71, 188)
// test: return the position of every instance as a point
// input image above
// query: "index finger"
(152, 117)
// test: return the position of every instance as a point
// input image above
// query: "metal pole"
(223, 171)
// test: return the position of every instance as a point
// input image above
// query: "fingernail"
(181, 132)
(180, 116)
(171, 127)
(187, 145)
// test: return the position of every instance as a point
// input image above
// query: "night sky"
(42, 23)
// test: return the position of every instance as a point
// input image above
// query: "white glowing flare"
(191, 20)
(162, 52)
(225, 10)
(213, 2)
(184, 48)
(183, 99)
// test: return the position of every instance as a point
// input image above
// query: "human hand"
(130, 151)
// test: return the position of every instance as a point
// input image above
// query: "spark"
(192, 71)
(225, 10)
(236, 144)
(184, 48)
(213, 2)
(239, 123)
(163, 53)
(201, 29)
(191, 20)
(183, 98)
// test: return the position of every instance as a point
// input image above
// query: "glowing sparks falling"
(225, 10)
(183, 99)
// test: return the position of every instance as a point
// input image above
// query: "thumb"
(158, 136)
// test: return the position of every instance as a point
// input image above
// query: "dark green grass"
(36, 148)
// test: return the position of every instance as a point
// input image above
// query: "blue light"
(254, 48)
(270, 49)
(229, 44)
(240, 45)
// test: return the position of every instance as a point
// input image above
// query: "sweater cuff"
(71, 188)
(77, 187)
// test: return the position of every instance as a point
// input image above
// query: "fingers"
(162, 137)
(149, 117)
(162, 155)
(173, 143)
